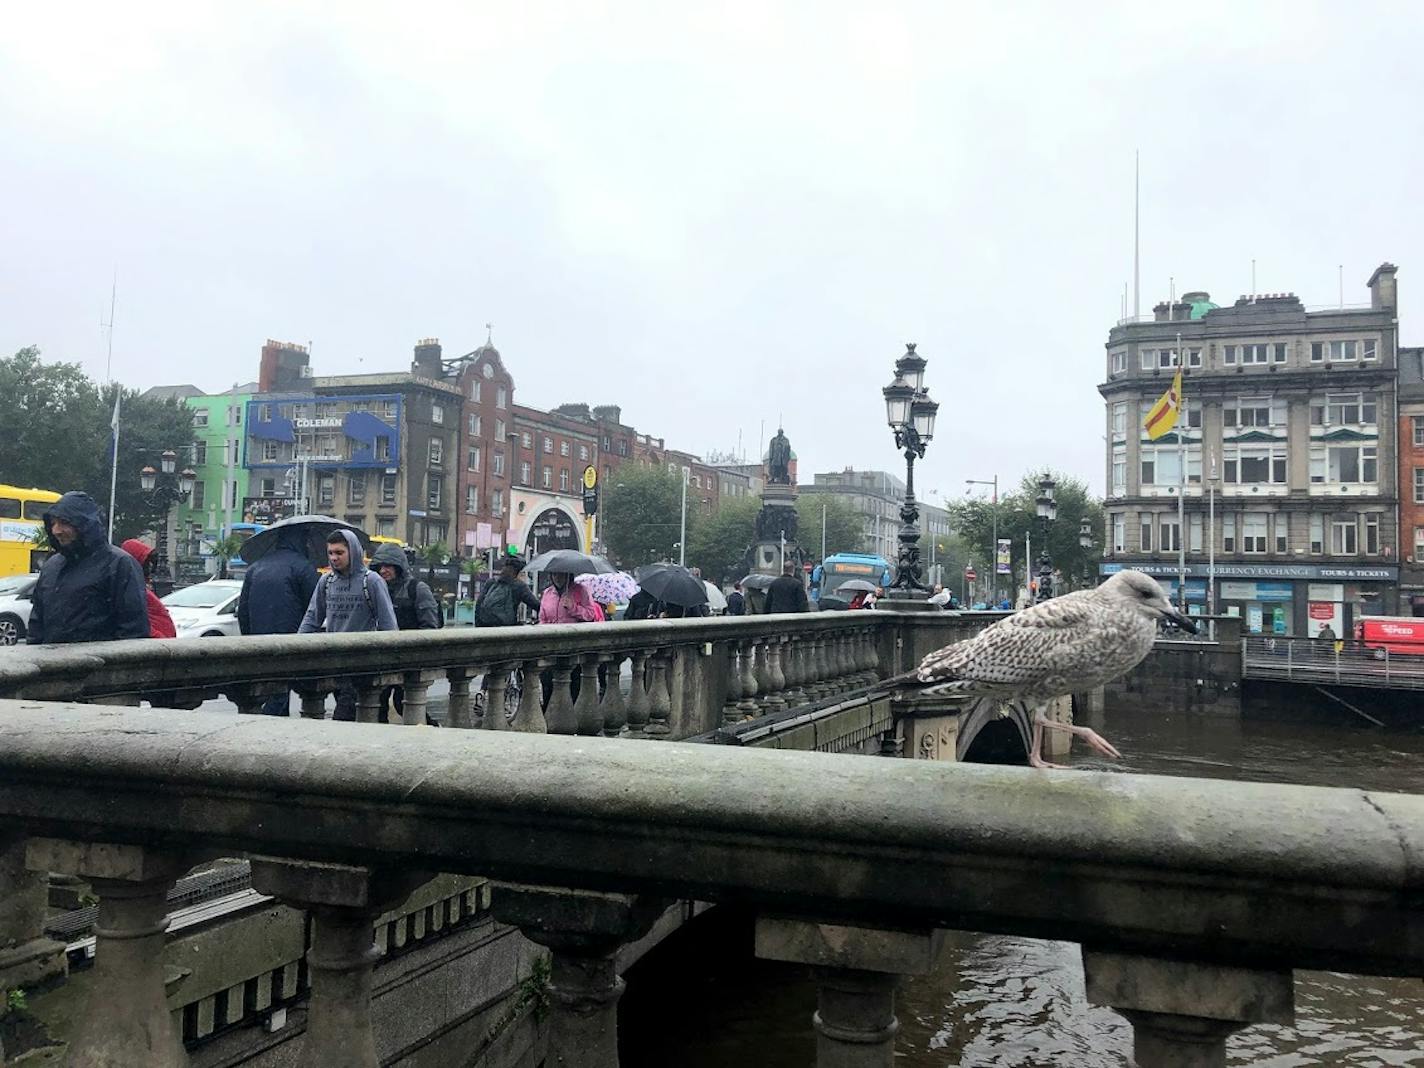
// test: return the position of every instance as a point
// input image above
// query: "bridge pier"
(1182, 1012)
(856, 971)
(584, 930)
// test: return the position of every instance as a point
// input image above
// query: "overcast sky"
(714, 215)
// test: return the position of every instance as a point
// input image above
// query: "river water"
(1012, 1002)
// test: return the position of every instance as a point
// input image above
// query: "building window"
(1278, 352)
(1119, 472)
(548, 444)
(472, 457)
(1119, 362)
(270, 451)
(476, 390)
(1417, 423)
(437, 450)
(1282, 527)
(1194, 532)
(1344, 350)
(1228, 533)
(199, 492)
(386, 526)
(1419, 485)
(546, 477)
(1171, 535)
(1419, 543)
(501, 397)
(622, 446)
(497, 502)
(326, 489)
(1119, 533)
(356, 488)
(432, 497)
(1317, 534)
(200, 417)
(499, 434)
(1194, 357)
(498, 461)
(382, 448)
(563, 448)
(472, 500)
(1148, 359)
(524, 473)
(1119, 419)
(526, 440)
(1352, 463)
(268, 487)
(1254, 465)
(1253, 411)
(200, 453)
(474, 424)
(1245, 354)
(1372, 534)
(1145, 532)
(563, 480)
(1253, 532)
(583, 453)
(1369, 349)
(437, 414)
(1344, 409)
(264, 413)
(1343, 534)
(388, 489)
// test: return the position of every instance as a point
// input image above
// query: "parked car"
(205, 610)
(15, 593)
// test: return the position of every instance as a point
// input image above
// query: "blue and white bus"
(828, 575)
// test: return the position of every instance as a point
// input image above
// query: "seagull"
(1061, 646)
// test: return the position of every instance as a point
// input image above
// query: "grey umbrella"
(314, 530)
(570, 562)
(856, 586)
(757, 582)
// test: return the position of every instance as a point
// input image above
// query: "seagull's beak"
(1185, 622)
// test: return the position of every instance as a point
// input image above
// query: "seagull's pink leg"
(1095, 740)
(1035, 758)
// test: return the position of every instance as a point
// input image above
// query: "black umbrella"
(571, 562)
(314, 530)
(672, 584)
(757, 582)
(856, 585)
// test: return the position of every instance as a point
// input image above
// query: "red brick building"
(486, 449)
(1411, 481)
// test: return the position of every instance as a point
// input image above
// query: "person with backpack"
(499, 604)
(348, 599)
(414, 605)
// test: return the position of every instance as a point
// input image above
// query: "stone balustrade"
(1193, 900)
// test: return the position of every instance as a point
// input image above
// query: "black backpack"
(497, 606)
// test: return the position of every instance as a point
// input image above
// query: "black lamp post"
(166, 492)
(1047, 512)
(1085, 542)
(911, 416)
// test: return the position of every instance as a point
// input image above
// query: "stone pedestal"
(1058, 744)
(27, 956)
(584, 929)
(929, 726)
(126, 1019)
(1183, 1012)
(856, 971)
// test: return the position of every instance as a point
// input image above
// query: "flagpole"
(1182, 425)
(114, 467)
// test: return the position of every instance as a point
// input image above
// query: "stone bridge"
(1193, 901)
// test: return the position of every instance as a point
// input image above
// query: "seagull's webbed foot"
(1036, 761)
(1092, 738)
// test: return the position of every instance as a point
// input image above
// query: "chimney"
(608, 413)
(284, 367)
(1383, 293)
(427, 359)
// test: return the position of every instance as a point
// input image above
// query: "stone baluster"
(659, 697)
(776, 698)
(27, 956)
(530, 717)
(812, 683)
(246, 698)
(126, 1019)
(461, 713)
(1182, 1012)
(824, 651)
(869, 657)
(639, 708)
(368, 700)
(559, 713)
(681, 676)
(615, 708)
(798, 650)
(746, 663)
(763, 676)
(496, 686)
(845, 662)
(416, 698)
(583, 930)
(313, 703)
(856, 971)
(344, 902)
(731, 712)
(587, 714)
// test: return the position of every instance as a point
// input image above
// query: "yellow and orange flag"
(1163, 415)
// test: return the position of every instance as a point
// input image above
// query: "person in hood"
(786, 593)
(90, 591)
(275, 593)
(498, 605)
(348, 599)
(413, 602)
(160, 623)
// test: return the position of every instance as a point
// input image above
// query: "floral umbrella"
(616, 588)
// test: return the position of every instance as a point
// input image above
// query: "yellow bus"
(21, 512)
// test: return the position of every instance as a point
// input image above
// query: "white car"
(205, 610)
(15, 594)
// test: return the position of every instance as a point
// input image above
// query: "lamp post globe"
(148, 478)
(910, 414)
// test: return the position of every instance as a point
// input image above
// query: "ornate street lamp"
(148, 478)
(910, 414)
(174, 486)
(1047, 509)
(1085, 542)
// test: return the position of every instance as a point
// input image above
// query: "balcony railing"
(1338, 663)
(1193, 900)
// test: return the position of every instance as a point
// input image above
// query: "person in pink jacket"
(568, 602)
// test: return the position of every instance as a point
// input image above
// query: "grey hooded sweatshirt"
(353, 602)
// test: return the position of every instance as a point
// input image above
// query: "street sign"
(969, 572)
(590, 477)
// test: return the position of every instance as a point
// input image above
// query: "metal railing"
(1340, 663)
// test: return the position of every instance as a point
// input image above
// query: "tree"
(642, 515)
(720, 543)
(1017, 515)
(57, 435)
(845, 529)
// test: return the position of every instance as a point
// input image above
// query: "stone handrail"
(1193, 899)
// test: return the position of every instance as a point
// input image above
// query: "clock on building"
(487, 370)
